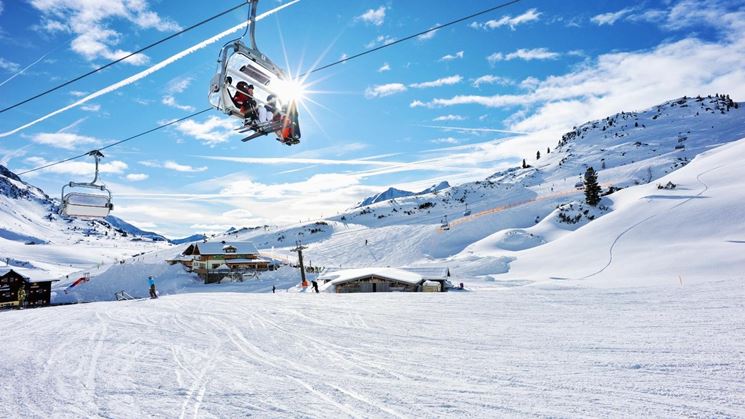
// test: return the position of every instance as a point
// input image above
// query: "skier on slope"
(151, 283)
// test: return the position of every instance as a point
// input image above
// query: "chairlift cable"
(398, 41)
(96, 70)
(118, 142)
(308, 72)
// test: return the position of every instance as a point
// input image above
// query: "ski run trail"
(518, 351)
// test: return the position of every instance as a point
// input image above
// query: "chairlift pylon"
(85, 204)
(270, 106)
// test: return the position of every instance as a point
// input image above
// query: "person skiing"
(315, 286)
(274, 288)
(151, 283)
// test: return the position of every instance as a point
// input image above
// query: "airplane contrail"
(475, 129)
(148, 71)
(26, 68)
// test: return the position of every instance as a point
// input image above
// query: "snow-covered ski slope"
(666, 351)
(515, 232)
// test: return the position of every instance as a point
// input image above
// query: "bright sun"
(291, 90)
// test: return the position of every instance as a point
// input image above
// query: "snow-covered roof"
(434, 272)
(347, 275)
(5, 271)
(182, 258)
(428, 273)
(218, 248)
(248, 260)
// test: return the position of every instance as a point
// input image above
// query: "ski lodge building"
(214, 260)
(411, 279)
(34, 294)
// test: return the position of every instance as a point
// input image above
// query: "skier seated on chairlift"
(269, 112)
(285, 123)
(243, 99)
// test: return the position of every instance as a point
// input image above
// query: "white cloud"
(385, 67)
(449, 118)
(451, 57)
(214, 130)
(493, 58)
(611, 17)
(524, 54)
(373, 16)
(490, 79)
(78, 168)
(172, 165)
(93, 107)
(384, 90)
(1, 7)
(77, 93)
(63, 140)
(529, 16)
(169, 100)
(447, 140)
(446, 81)
(428, 35)
(622, 81)
(90, 21)
(178, 85)
(530, 83)
(380, 40)
(9, 65)
(136, 177)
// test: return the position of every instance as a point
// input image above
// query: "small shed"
(383, 279)
(18, 291)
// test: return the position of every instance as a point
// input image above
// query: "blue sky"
(409, 116)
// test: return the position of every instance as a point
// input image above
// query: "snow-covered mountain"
(38, 241)
(488, 230)
(526, 208)
(189, 239)
(393, 193)
(128, 228)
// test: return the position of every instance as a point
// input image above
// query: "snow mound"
(517, 239)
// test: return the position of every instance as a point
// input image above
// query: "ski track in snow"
(523, 351)
(618, 238)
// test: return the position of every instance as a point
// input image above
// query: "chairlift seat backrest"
(86, 204)
(248, 65)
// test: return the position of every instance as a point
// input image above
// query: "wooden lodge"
(17, 291)
(212, 261)
(387, 279)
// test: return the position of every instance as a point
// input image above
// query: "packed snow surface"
(667, 351)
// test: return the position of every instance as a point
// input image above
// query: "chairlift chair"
(239, 63)
(81, 204)
(467, 212)
(444, 223)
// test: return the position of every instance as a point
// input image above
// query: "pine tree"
(524, 164)
(537, 155)
(592, 189)
(548, 150)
